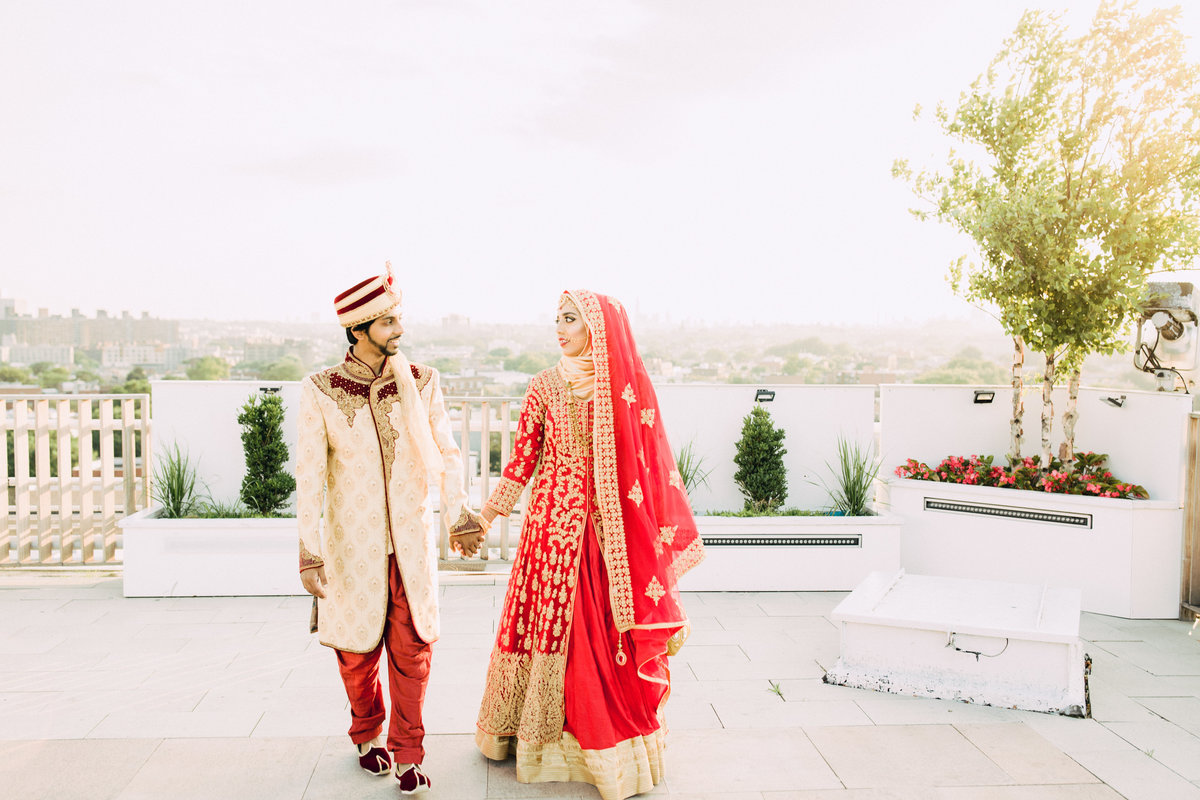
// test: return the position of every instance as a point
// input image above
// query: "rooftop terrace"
(219, 698)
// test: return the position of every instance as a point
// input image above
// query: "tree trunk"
(1066, 451)
(1047, 411)
(1016, 430)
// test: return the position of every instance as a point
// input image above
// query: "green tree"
(531, 363)
(266, 486)
(11, 374)
(53, 378)
(761, 476)
(207, 368)
(449, 366)
(38, 367)
(287, 368)
(1089, 181)
(967, 366)
(136, 382)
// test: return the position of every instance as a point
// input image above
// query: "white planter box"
(209, 557)
(999, 644)
(791, 554)
(1124, 556)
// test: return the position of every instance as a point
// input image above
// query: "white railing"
(478, 421)
(77, 465)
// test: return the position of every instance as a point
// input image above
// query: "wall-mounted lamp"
(1115, 402)
(764, 395)
(270, 389)
(984, 396)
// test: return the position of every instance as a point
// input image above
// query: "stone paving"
(230, 698)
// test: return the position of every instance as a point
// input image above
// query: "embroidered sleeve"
(527, 451)
(453, 495)
(312, 460)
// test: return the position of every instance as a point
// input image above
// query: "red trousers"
(408, 675)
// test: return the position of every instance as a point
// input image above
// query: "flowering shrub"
(1086, 476)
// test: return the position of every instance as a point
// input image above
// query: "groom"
(372, 432)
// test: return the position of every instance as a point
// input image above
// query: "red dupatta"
(650, 536)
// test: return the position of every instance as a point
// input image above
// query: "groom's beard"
(386, 347)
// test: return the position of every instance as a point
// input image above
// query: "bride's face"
(571, 329)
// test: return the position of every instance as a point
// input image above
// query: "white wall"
(710, 416)
(1146, 438)
(201, 417)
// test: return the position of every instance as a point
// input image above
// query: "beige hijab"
(579, 372)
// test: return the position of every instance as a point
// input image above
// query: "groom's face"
(384, 334)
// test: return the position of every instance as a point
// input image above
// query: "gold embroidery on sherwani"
(350, 512)
(308, 560)
(348, 392)
(383, 397)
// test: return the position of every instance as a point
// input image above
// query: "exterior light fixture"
(1115, 402)
(984, 396)
(764, 395)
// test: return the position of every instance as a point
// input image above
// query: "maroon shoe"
(413, 781)
(374, 758)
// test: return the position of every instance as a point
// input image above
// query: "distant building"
(23, 355)
(80, 331)
(123, 356)
(464, 385)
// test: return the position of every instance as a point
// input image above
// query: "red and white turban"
(367, 300)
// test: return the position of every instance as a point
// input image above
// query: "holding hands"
(469, 533)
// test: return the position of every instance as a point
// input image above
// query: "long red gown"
(575, 700)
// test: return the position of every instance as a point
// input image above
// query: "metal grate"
(1009, 512)
(849, 540)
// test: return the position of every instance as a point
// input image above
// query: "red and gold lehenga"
(578, 675)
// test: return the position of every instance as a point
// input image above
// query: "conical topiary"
(761, 476)
(267, 485)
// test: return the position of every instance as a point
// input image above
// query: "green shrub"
(761, 476)
(266, 486)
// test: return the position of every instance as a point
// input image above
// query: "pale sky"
(723, 160)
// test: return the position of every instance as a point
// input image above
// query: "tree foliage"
(1087, 179)
(11, 374)
(761, 476)
(207, 368)
(266, 486)
(531, 363)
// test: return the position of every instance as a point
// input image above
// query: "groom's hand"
(314, 581)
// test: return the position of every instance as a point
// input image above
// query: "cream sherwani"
(362, 493)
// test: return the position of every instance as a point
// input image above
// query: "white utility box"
(999, 644)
